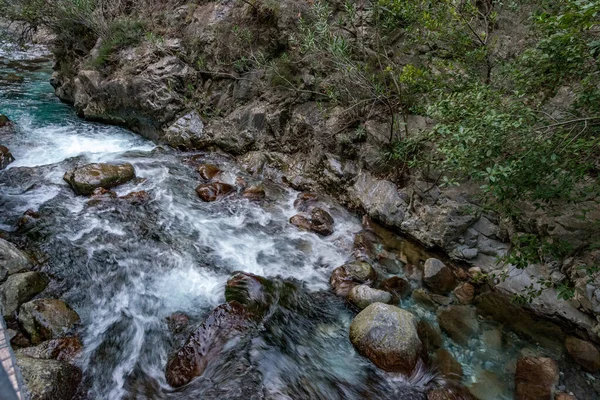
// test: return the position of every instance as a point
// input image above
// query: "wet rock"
(564, 396)
(214, 191)
(208, 171)
(459, 322)
(447, 365)
(140, 197)
(62, 349)
(343, 278)
(362, 296)
(49, 379)
(301, 222)
(464, 293)
(451, 392)
(20, 288)
(84, 180)
(45, 319)
(387, 335)
(224, 323)
(321, 222)
(536, 378)
(438, 277)
(304, 201)
(19, 340)
(4, 121)
(254, 193)
(380, 198)
(584, 353)
(12, 260)
(488, 385)
(5, 157)
(397, 286)
(178, 322)
(430, 336)
(430, 300)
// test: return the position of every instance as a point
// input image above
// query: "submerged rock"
(305, 200)
(139, 197)
(343, 278)
(459, 322)
(4, 121)
(362, 296)
(12, 260)
(214, 191)
(387, 335)
(5, 157)
(20, 288)
(536, 378)
(208, 171)
(49, 379)
(430, 336)
(584, 353)
(450, 392)
(397, 286)
(84, 180)
(45, 319)
(447, 365)
(438, 277)
(223, 324)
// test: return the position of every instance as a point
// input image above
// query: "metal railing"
(11, 387)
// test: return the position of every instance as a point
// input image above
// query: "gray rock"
(438, 277)
(387, 335)
(49, 379)
(12, 260)
(459, 322)
(20, 288)
(5, 157)
(84, 180)
(347, 276)
(45, 319)
(362, 296)
(380, 199)
(186, 132)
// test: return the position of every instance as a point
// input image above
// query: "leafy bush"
(121, 34)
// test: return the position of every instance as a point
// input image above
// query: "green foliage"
(121, 34)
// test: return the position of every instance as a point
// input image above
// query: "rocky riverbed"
(134, 270)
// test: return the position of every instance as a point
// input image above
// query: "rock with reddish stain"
(345, 277)
(224, 323)
(62, 349)
(208, 171)
(254, 193)
(305, 200)
(140, 197)
(536, 378)
(214, 191)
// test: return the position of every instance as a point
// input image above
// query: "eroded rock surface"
(45, 319)
(49, 379)
(84, 180)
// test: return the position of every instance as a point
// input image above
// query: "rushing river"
(126, 268)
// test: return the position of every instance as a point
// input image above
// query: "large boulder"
(214, 191)
(12, 260)
(584, 353)
(536, 378)
(45, 319)
(5, 157)
(84, 180)
(438, 277)
(347, 276)
(387, 335)
(20, 288)
(49, 379)
(362, 296)
(459, 322)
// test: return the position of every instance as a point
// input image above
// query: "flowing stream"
(126, 268)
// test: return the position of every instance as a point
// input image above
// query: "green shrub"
(121, 34)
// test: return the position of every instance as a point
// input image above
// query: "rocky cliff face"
(174, 92)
